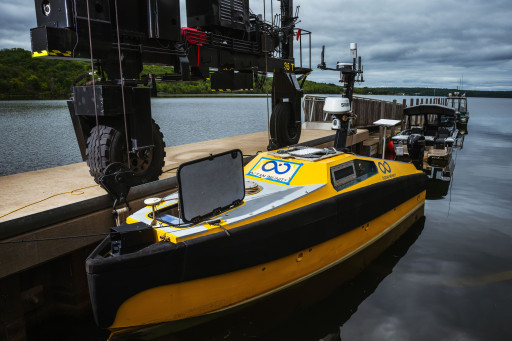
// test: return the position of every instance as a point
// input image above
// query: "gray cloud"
(16, 19)
(415, 43)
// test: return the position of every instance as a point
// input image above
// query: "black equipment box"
(164, 19)
(230, 80)
(218, 13)
(109, 103)
(138, 20)
(129, 238)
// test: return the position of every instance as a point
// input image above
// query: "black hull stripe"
(113, 280)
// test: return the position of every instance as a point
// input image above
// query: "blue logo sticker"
(272, 166)
(384, 167)
(275, 170)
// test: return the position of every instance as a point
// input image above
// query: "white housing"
(336, 105)
(353, 50)
(344, 65)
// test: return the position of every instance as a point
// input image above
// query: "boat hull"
(287, 301)
(207, 276)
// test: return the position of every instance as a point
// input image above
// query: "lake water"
(39, 134)
(450, 278)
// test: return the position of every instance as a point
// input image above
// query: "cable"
(54, 238)
(93, 81)
(266, 73)
(175, 168)
(171, 169)
(451, 184)
(122, 86)
(77, 191)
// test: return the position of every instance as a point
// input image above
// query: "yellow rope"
(77, 191)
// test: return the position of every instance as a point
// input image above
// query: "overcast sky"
(403, 43)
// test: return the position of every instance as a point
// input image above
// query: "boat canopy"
(435, 109)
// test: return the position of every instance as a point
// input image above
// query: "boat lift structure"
(224, 42)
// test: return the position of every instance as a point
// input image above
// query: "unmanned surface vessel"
(231, 235)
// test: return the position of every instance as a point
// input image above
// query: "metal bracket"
(117, 181)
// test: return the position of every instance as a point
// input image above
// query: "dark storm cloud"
(403, 43)
(16, 19)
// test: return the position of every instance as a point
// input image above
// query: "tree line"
(24, 77)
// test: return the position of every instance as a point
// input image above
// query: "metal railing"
(367, 110)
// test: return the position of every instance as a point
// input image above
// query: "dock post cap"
(152, 201)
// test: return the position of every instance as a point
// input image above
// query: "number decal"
(288, 66)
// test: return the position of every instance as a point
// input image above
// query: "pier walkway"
(77, 212)
(21, 189)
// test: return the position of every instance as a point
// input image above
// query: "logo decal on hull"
(384, 167)
(275, 170)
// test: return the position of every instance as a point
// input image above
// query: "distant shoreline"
(162, 95)
(238, 95)
(27, 78)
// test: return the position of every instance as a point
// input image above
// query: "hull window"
(351, 173)
(342, 174)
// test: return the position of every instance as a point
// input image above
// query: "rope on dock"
(77, 191)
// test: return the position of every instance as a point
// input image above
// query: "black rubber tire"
(113, 149)
(283, 129)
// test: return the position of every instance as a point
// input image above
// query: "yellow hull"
(307, 217)
(210, 295)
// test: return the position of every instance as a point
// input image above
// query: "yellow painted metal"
(213, 294)
(52, 53)
(40, 54)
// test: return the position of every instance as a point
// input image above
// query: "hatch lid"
(210, 185)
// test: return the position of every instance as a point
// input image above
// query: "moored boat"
(433, 126)
(232, 235)
(459, 102)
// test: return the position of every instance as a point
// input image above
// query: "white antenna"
(353, 50)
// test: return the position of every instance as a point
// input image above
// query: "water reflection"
(460, 139)
(313, 310)
(463, 129)
(437, 188)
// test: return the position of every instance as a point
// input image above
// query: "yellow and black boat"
(232, 234)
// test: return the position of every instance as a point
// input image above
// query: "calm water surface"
(39, 134)
(450, 278)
